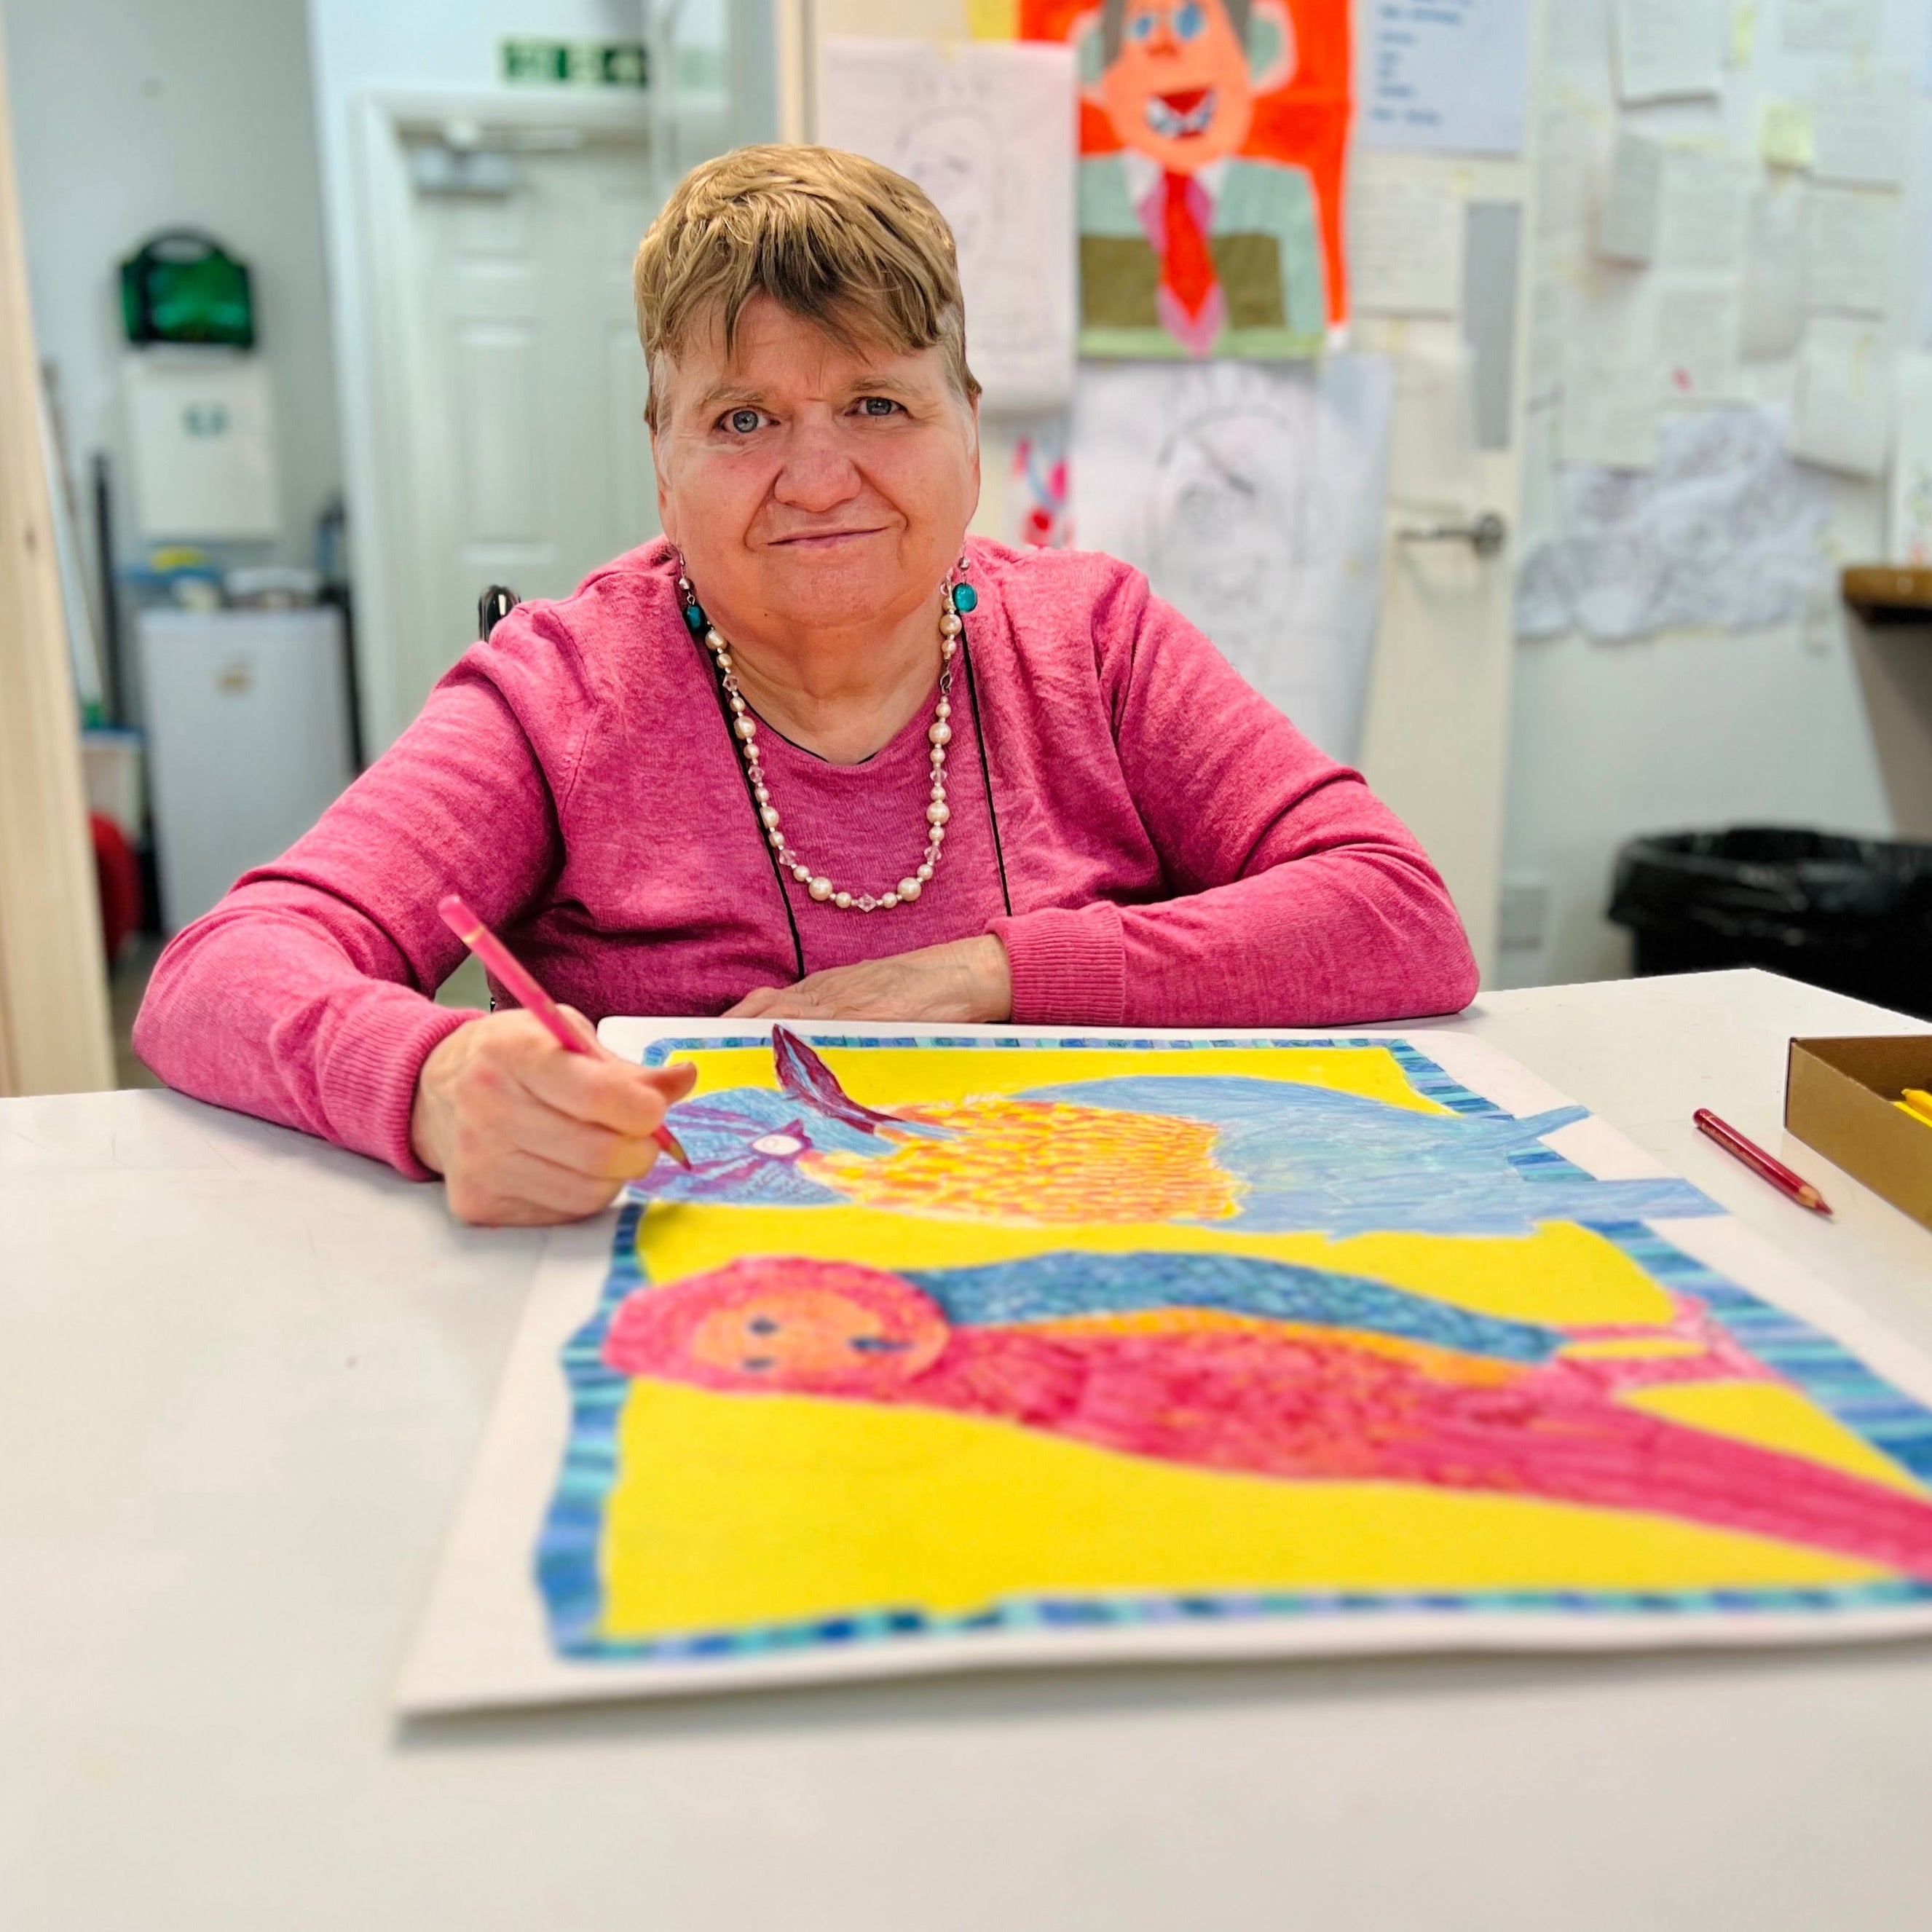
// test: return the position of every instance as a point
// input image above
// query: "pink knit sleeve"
(305, 996)
(1299, 898)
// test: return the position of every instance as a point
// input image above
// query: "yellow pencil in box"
(1916, 1102)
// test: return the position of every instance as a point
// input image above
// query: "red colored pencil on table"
(1754, 1157)
(524, 989)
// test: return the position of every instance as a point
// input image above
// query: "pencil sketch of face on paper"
(955, 157)
(987, 130)
(1252, 496)
(1233, 521)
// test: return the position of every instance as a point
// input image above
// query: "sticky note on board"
(993, 19)
(1744, 32)
(1787, 135)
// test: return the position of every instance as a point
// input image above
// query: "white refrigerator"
(248, 740)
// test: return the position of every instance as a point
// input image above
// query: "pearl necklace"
(955, 599)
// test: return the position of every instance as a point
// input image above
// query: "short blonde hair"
(839, 240)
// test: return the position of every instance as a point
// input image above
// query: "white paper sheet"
(1549, 335)
(1773, 299)
(1632, 198)
(1706, 200)
(1405, 241)
(1861, 130)
(1851, 250)
(1831, 26)
(1696, 340)
(1446, 76)
(988, 130)
(1577, 32)
(1669, 50)
(1841, 419)
(1566, 164)
(1252, 495)
(1610, 409)
(1725, 531)
(1910, 535)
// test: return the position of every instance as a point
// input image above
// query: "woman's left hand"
(966, 980)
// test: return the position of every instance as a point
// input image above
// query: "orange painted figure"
(1211, 142)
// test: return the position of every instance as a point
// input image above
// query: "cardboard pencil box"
(1838, 1095)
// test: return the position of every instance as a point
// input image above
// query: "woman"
(815, 754)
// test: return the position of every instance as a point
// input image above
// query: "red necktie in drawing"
(1187, 270)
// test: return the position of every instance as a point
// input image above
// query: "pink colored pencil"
(523, 987)
(1760, 1162)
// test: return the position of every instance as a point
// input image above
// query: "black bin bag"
(1851, 914)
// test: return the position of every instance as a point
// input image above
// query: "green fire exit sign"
(577, 63)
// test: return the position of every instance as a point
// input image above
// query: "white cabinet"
(201, 428)
(247, 721)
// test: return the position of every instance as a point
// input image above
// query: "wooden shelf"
(1887, 593)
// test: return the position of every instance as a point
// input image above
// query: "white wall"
(1678, 733)
(130, 116)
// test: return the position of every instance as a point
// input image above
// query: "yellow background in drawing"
(906, 1076)
(732, 1509)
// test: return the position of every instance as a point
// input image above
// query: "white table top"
(242, 1378)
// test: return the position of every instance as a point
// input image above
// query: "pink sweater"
(1174, 852)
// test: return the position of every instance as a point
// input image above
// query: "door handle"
(1485, 535)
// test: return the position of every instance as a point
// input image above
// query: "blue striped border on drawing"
(1836, 1380)
(568, 1561)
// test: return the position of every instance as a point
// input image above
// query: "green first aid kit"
(183, 287)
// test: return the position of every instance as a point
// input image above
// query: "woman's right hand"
(525, 1135)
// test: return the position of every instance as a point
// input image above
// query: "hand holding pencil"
(529, 1120)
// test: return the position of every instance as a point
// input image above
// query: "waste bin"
(1851, 914)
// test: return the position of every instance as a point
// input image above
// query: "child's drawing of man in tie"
(1188, 247)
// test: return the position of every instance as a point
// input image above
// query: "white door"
(514, 446)
(1436, 739)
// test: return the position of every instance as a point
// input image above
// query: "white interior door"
(515, 451)
(1435, 738)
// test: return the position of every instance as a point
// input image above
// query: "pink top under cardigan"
(1175, 852)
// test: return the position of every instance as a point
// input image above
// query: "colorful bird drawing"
(1245, 1366)
(1263, 1156)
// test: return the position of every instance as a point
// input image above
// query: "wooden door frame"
(54, 1033)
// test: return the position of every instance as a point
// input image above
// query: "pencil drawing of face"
(1233, 516)
(954, 156)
